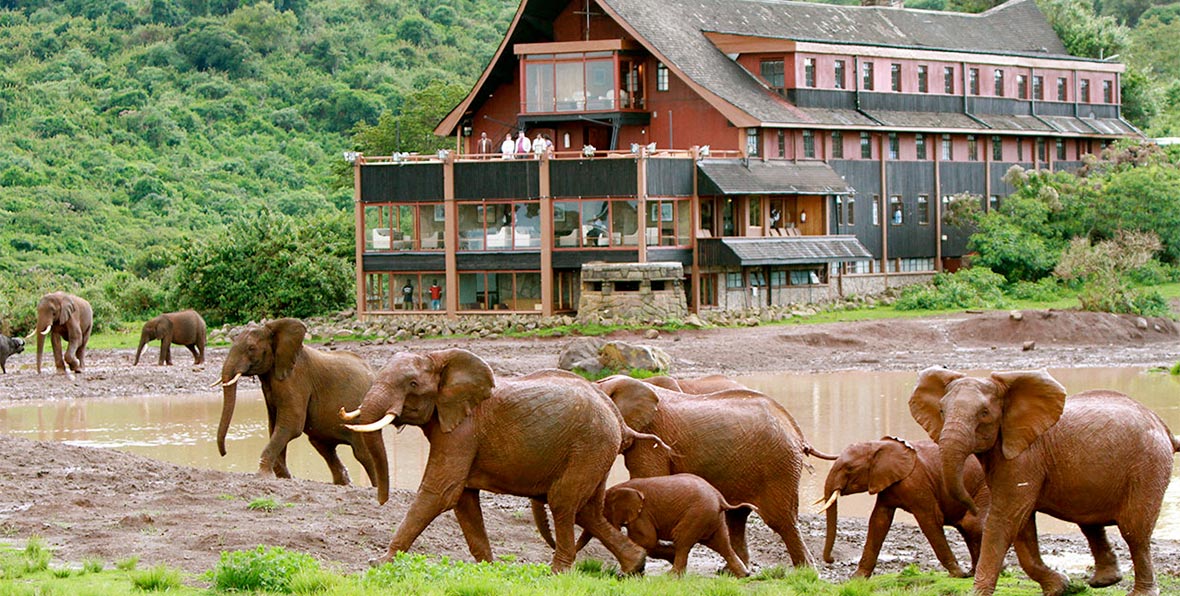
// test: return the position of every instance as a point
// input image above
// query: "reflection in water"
(833, 409)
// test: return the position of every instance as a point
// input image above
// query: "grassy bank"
(30, 570)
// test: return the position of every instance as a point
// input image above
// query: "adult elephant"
(1096, 459)
(186, 328)
(906, 476)
(741, 441)
(550, 436)
(61, 315)
(697, 386)
(304, 389)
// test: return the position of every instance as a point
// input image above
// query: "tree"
(1083, 33)
(1103, 267)
(210, 45)
(411, 129)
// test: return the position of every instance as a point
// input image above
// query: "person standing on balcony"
(523, 145)
(484, 145)
(539, 146)
(408, 295)
(508, 147)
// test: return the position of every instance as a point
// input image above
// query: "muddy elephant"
(67, 316)
(304, 390)
(682, 508)
(740, 441)
(906, 476)
(8, 347)
(549, 436)
(697, 386)
(1096, 459)
(185, 328)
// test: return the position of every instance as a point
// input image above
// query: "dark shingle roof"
(799, 250)
(675, 29)
(735, 177)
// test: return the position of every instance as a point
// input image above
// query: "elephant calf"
(186, 328)
(681, 508)
(8, 347)
(906, 476)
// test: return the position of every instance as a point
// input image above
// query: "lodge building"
(781, 152)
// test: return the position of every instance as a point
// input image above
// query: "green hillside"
(139, 137)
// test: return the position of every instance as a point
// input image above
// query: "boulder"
(581, 353)
(622, 356)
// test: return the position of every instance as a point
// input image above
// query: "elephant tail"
(812, 451)
(748, 506)
(541, 518)
(630, 437)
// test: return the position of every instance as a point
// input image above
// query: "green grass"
(273, 570)
(266, 504)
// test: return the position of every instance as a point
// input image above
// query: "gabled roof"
(742, 177)
(677, 33)
(800, 250)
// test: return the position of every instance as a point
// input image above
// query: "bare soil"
(106, 504)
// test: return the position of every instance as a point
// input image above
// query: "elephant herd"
(703, 454)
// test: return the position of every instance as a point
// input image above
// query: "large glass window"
(404, 226)
(808, 144)
(661, 77)
(850, 210)
(837, 145)
(1062, 85)
(923, 78)
(773, 73)
(753, 142)
(595, 223)
(400, 291)
(972, 148)
(1038, 87)
(809, 72)
(1060, 148)
(948, 80)
(668, 222)
(866, 146)
(1021, 86)
(948, 150)
(997, 149)
(838, 72)
(923, 209)
(866, 76)
(895, 77)
(1085, 90)
(894, 146)
(500, 290)
(999, 80)
(973, 81)
(508, 225)
(577, 81)
(1107, 92)
(920, 145)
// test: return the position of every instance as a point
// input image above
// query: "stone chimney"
(884, 3)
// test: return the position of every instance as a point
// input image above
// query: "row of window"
(480, 290)
(946, 146)
(773, 72)
(898, 214)
(513, 225)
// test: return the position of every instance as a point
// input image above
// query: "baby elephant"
(185, 328)
(682, 508)
(8, 347)
(905, 476)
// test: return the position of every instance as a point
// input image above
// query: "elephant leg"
(880, 520)
(1028, 552)
(369, 449)
(972, 532)
(1106, 564)
(631, 556)
(79, 354)
(1137, 533)
(274, 456)
(443, 482)
(782, 516)
(680, 560)
(192, 350)
(58, 362)
(327, 451)
(930, 522)
(656, 549)
(719, 543)
(165, 352)
(470, 517)
(735, 521)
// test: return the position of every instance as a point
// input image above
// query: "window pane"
(566, 227)
(625, 222)
(378, 236)
(409, 292)
(539, 90)
(839, 74)
(571, 92)
(432, 224)
(896, 217)
(923, 209)
(595, 226)
(850, 209)
(470, 226)
(837, 145)
(527, 225)
(920, 145)
(997, 149)
(600, 85)
(528, 292)
(377, 292)
(683, 223)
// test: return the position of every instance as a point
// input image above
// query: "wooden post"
(451, 231)
(641, 195)
(547, 239)
(359, 225)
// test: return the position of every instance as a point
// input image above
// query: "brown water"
(833, 409)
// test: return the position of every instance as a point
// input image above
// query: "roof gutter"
(966, 102)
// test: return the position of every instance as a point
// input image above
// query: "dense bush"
(262, 569)
(975, 287)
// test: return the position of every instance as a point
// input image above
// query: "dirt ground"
(97, 503)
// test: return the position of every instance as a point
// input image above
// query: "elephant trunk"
(143, 340)
(40, 347)
(380, 407)
(833, 494)
(229, 399)
(955, 452)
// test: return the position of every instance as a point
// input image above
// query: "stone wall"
(645, 291)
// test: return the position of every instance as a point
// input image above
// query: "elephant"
(550, 436)
(8, 347)
(905, 476)
(697, 386)
(740, 441)
(1096, 458)
(186, 328)
(304, 388)
(68, 316)
(681, 508)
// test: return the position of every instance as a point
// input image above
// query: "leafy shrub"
(1042, 290)
(132, 298)
(974, 287)
(92, 565)
(1104, 269)
(419, 568)
(127, 564)
(1154, 273)
(268, 569)
(36, 555)
(266, 504)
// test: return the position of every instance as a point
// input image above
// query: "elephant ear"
(465, 380)
(636, 400)
(287, 341)
(628, 504)
(65, 312)
(1033, 402)
(892, 462)
(925, 401)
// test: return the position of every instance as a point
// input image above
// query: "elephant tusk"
(831, 499)
(372, 426)
(346, 415)
(227, 383)
(47, 328)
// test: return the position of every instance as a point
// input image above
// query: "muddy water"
(833, 409)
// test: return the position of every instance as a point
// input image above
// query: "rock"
(1028, 346)
(651, 334)
(1141, 323)
(579, 351)
(622, 356)
(1016, 315)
